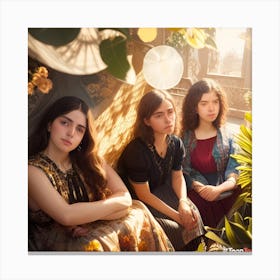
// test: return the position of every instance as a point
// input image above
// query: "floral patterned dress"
(138, 231)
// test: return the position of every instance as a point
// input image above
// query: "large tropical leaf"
(241, 200)
(238, 235)
(210, 43)
(124, 31)
(244, 143)
(241, 158)
(248, 117)
(213, 236)
(237, 218)
(114, 54)
(249, 221)
(247, 132)
(230, 234)
(54, 36)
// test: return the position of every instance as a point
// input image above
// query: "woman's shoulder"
(188, 137)
(176, 139)
(37, 165)
(40, 161)
(134, 155)
(36, 160)
(135, 144)
(134, 149)
(225, 131)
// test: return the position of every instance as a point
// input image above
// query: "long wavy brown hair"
(148, 104)
(85, 156)
(190, 118)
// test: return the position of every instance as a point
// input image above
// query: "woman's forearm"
(228, 185)
(117, 215)
(162, 207)
(85, 212)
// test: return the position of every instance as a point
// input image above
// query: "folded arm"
(42, 195)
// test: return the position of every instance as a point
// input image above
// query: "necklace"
(162, 148)
(161, 151)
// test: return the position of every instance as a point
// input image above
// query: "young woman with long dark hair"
(76, 201)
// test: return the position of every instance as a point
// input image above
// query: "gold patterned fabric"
(138, 231)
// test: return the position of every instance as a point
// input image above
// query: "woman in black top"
(151, 166)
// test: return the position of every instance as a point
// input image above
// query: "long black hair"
(86, 155)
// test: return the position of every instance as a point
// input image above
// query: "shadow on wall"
(112, 102)
(115, 124)
(96, 90)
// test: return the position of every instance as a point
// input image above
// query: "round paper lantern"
(163, 67)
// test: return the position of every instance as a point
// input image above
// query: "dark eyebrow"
(156, 113)
(70, 120)
(162, 112)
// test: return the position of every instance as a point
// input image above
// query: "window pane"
(227, 60)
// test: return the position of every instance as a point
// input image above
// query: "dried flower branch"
(40, 80)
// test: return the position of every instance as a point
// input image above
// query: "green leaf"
(211, 235)
(247, 132)
(245, 183)
(207, 228)
(114, 54)
(54, 36)
(237, 218)
(248, 200)
(249, 227)
(244, 143)
(242, 236)
(244, 168)
(210, 43)
(248, 117)
(230, 235)
(242, 158)
(239, 201)
(200, 248)
(124, 31)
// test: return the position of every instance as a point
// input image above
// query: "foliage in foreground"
(235, 231)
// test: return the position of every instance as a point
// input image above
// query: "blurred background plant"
(197, 38)
(248, 97)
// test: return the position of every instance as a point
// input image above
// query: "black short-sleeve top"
(141, 163)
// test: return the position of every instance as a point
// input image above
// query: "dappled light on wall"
(115, 125)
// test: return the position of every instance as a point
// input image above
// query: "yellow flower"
(195, 38)
(42, 71)
(40, 80)
(30, 88)
(45, 85)
(36, 79)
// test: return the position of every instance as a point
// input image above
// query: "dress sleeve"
(232, 162)
(133, 162)
(179, 154)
